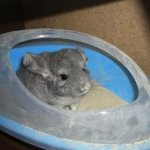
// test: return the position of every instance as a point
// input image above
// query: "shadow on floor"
(13, 13)
(146, 7)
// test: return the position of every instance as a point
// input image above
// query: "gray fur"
(41, 74)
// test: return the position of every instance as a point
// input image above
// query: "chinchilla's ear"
(82, 54)
(37, 64)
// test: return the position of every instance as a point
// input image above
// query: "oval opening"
(104, 69)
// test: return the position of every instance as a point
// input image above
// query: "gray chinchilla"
(58, 78)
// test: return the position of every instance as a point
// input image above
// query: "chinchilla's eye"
(64, 77)
(84, 69)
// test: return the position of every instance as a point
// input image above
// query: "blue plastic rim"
(54, 143)
(104, 69)
(24, 117)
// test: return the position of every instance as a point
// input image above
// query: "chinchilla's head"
(64, 70)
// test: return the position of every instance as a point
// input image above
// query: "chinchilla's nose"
(85, 88)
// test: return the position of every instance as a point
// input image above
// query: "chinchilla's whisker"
(103, 79)
(94, 91)
(93, 82)
(94, 85)
(97, 75)
(100, 72)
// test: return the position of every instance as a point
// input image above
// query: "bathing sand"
(99, 98)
